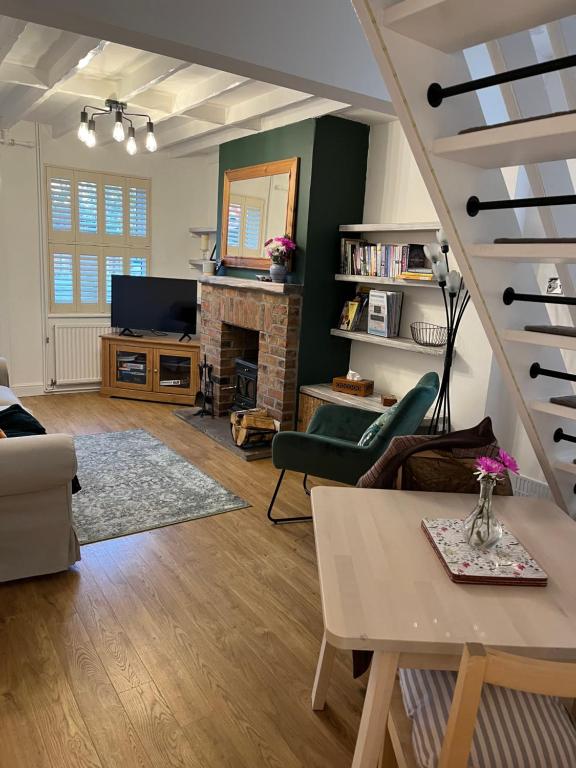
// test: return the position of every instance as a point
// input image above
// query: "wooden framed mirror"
(258, 202)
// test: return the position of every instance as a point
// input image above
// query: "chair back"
(480, 666)
(409, 413)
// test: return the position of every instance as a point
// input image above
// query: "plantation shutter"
(88, 261)
(235, 209)
(139, 212)
(113, 265)
(252, 227)
(114, 201)
(137, 264)
(88, 208)
(60, 197)
(98, 226)
(62, 281)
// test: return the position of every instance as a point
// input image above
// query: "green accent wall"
(332, 175)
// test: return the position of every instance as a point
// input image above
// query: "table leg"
(323, 672)
(372, 729)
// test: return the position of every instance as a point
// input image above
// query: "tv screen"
(154, 304)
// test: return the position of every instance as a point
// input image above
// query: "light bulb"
(91, 137)
(131, 146)
(151, 144)
(118, 132)
(440, 270)
(83, 127)
(441, 237)
(453, 280)
(432, 252)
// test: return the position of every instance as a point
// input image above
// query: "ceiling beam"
(10, 31)
(19, 74)
(151, 73)
(206, 90)
(248, 114)
(64, 58)
(209, 141)
(292, 113)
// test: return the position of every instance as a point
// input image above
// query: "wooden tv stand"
(156, 368)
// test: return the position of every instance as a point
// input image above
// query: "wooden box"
(361, 388)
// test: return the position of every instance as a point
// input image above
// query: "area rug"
(218, 428)
(132, 482)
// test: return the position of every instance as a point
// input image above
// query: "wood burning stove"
(246, 384)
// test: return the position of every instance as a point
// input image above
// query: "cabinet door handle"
(155, 370)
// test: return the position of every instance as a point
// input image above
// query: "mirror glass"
(256, 212)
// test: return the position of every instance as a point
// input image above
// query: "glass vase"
(481, 528)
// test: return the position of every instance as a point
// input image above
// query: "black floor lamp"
(456, 299)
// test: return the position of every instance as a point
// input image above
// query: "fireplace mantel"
(241, 283)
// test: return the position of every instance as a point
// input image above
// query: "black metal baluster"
(509, 296)
(559, 435)
(436, 93)
(536, 370)
(474, 205)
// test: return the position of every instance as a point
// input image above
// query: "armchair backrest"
(409, 412)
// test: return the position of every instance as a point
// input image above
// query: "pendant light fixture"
(87, 127)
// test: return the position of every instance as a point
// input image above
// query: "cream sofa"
(36, 533)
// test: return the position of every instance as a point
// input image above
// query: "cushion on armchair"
(377, 426)
(15, 421)
(512, 728)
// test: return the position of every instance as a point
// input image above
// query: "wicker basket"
(429, 335)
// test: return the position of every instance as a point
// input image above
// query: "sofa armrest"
(341, 421)
(36, 463)
(4, 377)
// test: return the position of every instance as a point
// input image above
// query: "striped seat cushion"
(513, 729)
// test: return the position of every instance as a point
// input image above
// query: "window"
(98, 226)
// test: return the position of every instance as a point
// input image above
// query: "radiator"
(77, 353)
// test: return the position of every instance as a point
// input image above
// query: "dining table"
(384, 589)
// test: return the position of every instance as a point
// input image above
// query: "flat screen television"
(162, 304)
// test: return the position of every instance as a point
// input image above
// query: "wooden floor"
(192, 645)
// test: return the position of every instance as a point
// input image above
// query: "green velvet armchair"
(342, 443)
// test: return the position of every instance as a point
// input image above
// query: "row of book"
(406, 261)
(376, 312)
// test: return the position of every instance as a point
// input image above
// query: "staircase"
(500, 231)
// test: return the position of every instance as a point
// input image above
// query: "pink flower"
(489, 466)
(508, 461)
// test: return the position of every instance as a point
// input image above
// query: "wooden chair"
(480, 666)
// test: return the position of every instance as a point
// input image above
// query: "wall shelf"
(427, 226)
(199, 231)
(396, 341)
(398, 282)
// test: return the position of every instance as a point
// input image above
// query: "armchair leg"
(306, 489)
(283, 520)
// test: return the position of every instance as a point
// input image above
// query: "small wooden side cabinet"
(150, 368)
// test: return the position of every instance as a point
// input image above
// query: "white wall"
(184, 194)
(395, 193)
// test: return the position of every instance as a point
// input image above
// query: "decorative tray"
(508, 564)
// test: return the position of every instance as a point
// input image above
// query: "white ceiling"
(48, 76)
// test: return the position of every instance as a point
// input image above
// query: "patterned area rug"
(132, 482)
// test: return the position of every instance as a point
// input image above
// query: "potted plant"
(279, 250)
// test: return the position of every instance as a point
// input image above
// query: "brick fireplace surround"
(230, 306)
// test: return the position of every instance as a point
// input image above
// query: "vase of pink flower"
(279, 250)
(482, 528)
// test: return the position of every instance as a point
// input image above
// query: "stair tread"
(555, 409)
(452, 25)
(565, 466)
(540, 339)
(556, 330)
(536, 140)
(542, 252)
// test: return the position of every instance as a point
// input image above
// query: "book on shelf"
(354, 315)
(400, 260)
(384, 313)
